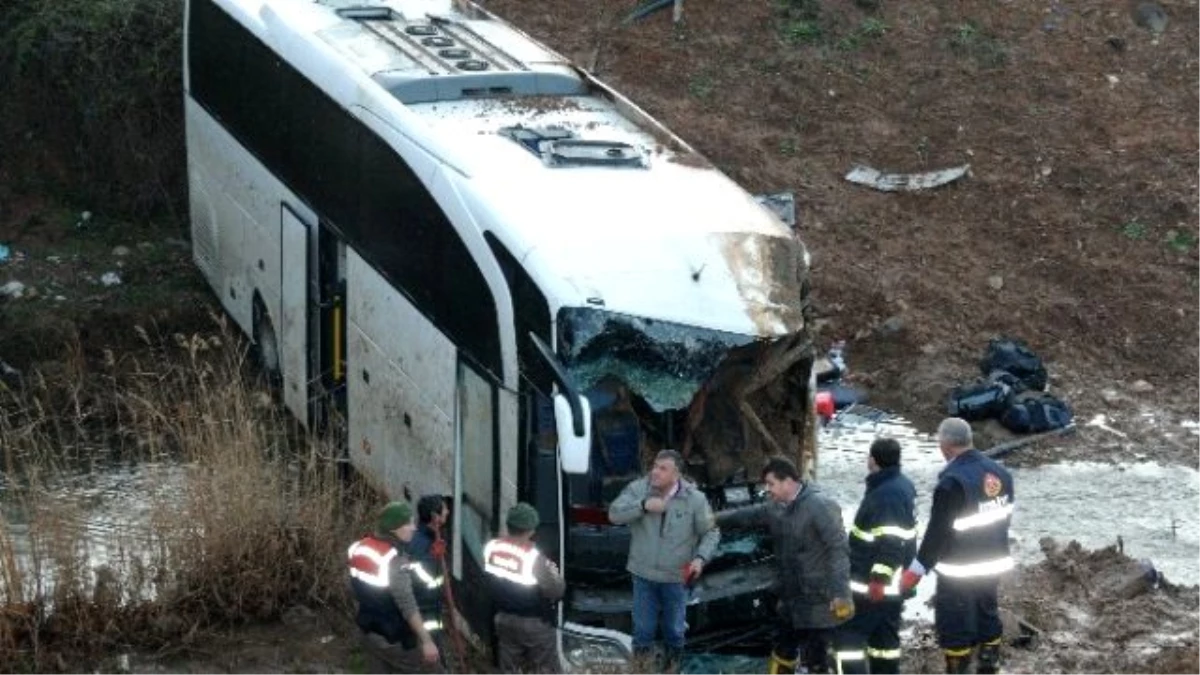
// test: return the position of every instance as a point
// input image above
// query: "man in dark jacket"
(396, 638)
(428, 551)
(966, 543)
(883, 542)
(814, 566)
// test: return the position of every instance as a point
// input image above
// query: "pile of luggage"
(1012, 389)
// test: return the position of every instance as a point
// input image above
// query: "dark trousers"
(870, 642)
(966, 613)
(526, 644)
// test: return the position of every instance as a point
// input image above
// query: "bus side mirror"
(574, 432)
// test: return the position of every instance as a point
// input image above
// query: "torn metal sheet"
(782, 204)
(905, 182)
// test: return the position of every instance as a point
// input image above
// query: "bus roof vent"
(368, 13)
(559, 147)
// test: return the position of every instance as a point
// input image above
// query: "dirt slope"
(1081, 207)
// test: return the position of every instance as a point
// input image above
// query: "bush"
(245, 519)
(93, 106)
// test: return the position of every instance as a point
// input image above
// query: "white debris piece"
(110, 279)
(13, 289)
(905, 182)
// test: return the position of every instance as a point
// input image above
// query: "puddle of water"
(1152, 507)
(108, 510)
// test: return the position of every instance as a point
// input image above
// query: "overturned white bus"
(471, 251)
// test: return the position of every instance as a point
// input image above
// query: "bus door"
(295, 320)
(330, 409)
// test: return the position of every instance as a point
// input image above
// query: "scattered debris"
(1002, 449)
(9, 376)
(1101, 422)
(1013, 391)
(121, 251)
(1151, 16)
(996, 282)
(892, 325)
(110, 279)
(4, 252)
(84, 219)
(905, 182)
(1141, 387)
(647, 8)
(13, 289)
(1110, 396)
(782, 204)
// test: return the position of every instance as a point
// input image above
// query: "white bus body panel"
(293, 329)
(236, 207)
(410, 370)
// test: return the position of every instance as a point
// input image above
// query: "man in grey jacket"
(813, 556)
(672, 537)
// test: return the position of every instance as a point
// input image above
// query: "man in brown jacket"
(813, 558)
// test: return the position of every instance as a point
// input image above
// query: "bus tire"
(266, 345)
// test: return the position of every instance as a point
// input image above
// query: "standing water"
(1152, 507)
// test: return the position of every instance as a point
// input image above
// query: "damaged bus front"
(725, 401)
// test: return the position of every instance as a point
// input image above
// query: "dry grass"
(247, 517)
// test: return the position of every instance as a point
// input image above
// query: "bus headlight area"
(587, 649)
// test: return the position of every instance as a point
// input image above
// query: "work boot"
(958, 660)
(778, 665)
(989, 657)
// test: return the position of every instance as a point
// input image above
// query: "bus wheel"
(266, 346)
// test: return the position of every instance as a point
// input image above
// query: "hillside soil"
(1075, 230)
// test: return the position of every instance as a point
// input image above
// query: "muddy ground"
(1076, 231)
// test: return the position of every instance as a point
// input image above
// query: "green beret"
(395, 515)
(522, 517)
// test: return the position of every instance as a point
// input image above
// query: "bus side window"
(544, 433)
(478, 456)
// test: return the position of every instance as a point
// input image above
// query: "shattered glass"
(664, 362)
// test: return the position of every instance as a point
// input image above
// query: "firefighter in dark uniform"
(427, 551)
(525, 587)
(966, 543)
(883, 542)
(396, 637)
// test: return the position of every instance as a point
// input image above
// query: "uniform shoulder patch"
(992, 485)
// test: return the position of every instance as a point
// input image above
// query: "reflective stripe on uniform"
(853, 655)
(892, 588)
(432, 624)
(986, 568)
(883, 531)
(368, 565)
(510, 562)
(883, 653)
(880, 568)
(419, 570)
(983, 518)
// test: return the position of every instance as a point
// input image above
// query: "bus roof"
(599, 200)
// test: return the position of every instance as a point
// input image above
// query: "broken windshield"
(665, 362)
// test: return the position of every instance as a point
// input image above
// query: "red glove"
(438, 548)
(875, 591)
(908, 582)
